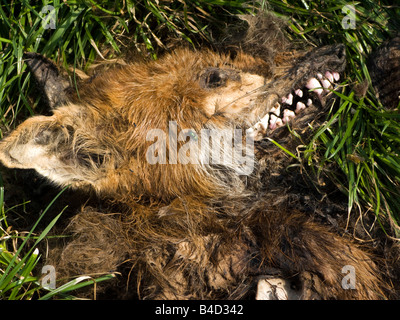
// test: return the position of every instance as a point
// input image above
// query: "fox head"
(146, 129)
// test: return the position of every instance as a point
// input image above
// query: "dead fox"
(182, 142)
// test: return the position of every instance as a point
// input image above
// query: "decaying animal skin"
(384, 68)
(196, 230)
(48, 78)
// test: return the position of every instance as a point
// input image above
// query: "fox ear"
(59, 149)
(48, 78)
(29, 146)
(42, 144)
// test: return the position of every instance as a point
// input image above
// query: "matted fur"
(192, 231)
(384, 67)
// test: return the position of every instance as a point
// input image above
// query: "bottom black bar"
(200, 309)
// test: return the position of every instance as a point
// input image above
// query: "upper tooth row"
(272, 119)
(323, 83)
(317, 85)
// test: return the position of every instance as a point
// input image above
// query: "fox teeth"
(275, 122)
(259, 127)
(325, 83)
(272, 120)
(329, 76)
(287, 115)
(279, 122)
(289, 99)
(299, 93)
(276, 109)
(300, 106)
(313, 84)
(336, 76)
(272, 123)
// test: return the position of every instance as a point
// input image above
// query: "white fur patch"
(236, 96)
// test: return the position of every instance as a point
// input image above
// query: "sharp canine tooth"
(314, 83)
(336, 76)
(329, 76)
(300, 106)
(264, 121)
(309, 102)
(272, 123)
(325, 83)
(299, 93)
(289, 99)
(319, 76)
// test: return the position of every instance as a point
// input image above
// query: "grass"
(17, 266)
(84, 31)
(360, 139)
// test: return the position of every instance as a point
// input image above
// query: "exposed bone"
(275, 289)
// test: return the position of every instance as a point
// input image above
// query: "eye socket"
(214, 77)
